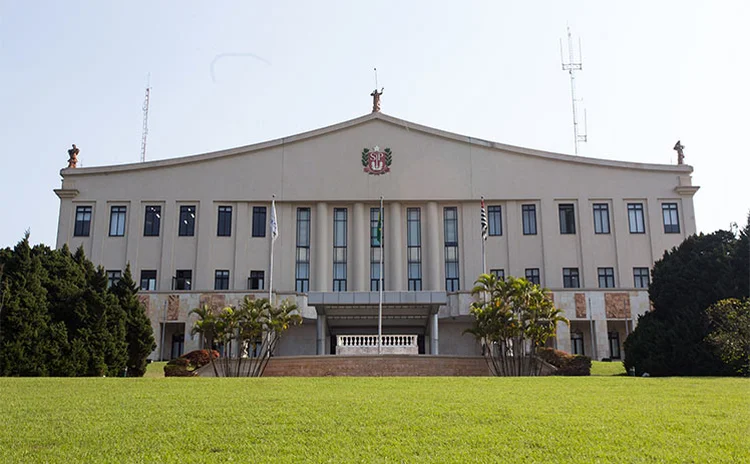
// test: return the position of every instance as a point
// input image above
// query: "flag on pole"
(483, 218)
(274, 225)
(380, 224)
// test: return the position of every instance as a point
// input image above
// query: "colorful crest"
(377, 161)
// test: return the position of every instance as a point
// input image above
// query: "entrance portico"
(405, 314)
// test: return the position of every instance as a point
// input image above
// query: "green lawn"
(155, 369)
(607, 368)
(553, 419)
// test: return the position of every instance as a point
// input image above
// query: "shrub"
(178, 367)
(199, 358)
(566, 364)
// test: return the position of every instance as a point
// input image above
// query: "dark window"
(570, 277)
(113, 277)
(339, 249)
(148, 280)
(153, 221)
(495, 218)
(221, 280)
(183, 280)
(532, 275)
(450, 221)
(499, 273)
(567, 218)
(414, 248)
(601, 218)
(614, 345)
(259, 221)
(576, 342)
(640, 277)
(256, 280)
(302, 266)
(187, 221)
(83, 221)
(529, 219)
(224, 226)
(375, 250)
(117, 221)
(635, 218)
(606, 277)
(671, 220)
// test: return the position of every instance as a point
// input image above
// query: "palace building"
(195, 231)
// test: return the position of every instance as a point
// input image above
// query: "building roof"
(364, 120)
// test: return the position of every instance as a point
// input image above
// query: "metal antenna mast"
(571, 66)
(144, 135)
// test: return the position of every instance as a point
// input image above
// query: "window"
(302, 266)
(529, 219)
(450, 221)
(256, 280)
(414, 248)
(221, 279)
(635, 218)
(671, 220)
(187, 221)
(117, 221)
(113, 277)
(224, 226)
(499, 273)
(532, 275)
(83, 221)
(567, 218)
(339, 249)
(259, 221)
(148, 280)
(614, 345)
(601, 218)
(495, 218)
(570, 277)
(153, 221)
(606, 277)
(182, 280)
(375, 251)
(576, 342)
(640, 277)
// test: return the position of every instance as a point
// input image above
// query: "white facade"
(641, 211)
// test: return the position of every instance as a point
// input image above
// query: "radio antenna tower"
(144, 135)
(572, 66)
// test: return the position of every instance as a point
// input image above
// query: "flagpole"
(274, 227)
(484, 255)
(380, 285)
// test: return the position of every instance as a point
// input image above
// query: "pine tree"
(139, 333)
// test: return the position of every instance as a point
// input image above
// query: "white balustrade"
(368, 344)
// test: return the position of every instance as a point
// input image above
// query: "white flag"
(274, 225)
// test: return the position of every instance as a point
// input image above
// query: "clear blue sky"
(654, 72)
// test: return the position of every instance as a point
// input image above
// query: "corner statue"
(678, 147)
(73, 156)
(376, 99)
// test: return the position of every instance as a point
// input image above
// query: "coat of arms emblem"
(377, 161)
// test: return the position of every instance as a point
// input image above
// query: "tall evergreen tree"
(139, 333)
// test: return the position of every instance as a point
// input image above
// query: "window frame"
(638, 276)
(375, 252)
(302, 251)
(636, 212)
(670, 209)
(452, 271)
(499, 273)
(82, 221)
(113, 276)
(148, 279)
(152, 221)
(257, 280)
(528, 211)
(606, 277)
(260, 218)
(182, 278)
(224, 221)
(532, 275)
(221, 279)
(601, 220)
(495, 221)
(340, 220)
(571, 277)
(567, 218)
(121, 212)
(186, 228)
(414, 249)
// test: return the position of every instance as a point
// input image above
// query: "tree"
(730, 333)
(512, 318)
(139, 334)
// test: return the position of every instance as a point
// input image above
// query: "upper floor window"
(414, 248)
(152, 222)
(83, 221)
(671, 220)
(339, 249)
(148, 280)
(183, 279)
(606, 277)
(256, 280)
(221, 279)
(601, 218)
(640, 277)
(528, 212)
(117, 221)
(567, 218)
(499, 273)
(302, 265)
(113, 277)
(187, 221)
(224, 226)
(570, 277)
(259, 221)
(450, 220)
(635, 218)
(532, 275)
(376, 237)
(495, 218)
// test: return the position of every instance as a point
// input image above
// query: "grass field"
(553, 419)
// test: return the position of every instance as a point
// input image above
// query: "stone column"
(321, 253)
(563, 337)
(434, 334)
(360, 241)
(431, 255)
(321, 337)
(394, 249)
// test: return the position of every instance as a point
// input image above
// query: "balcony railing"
(368, 344)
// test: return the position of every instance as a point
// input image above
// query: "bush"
(199, 358)
(188, 363)
(566, 364)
